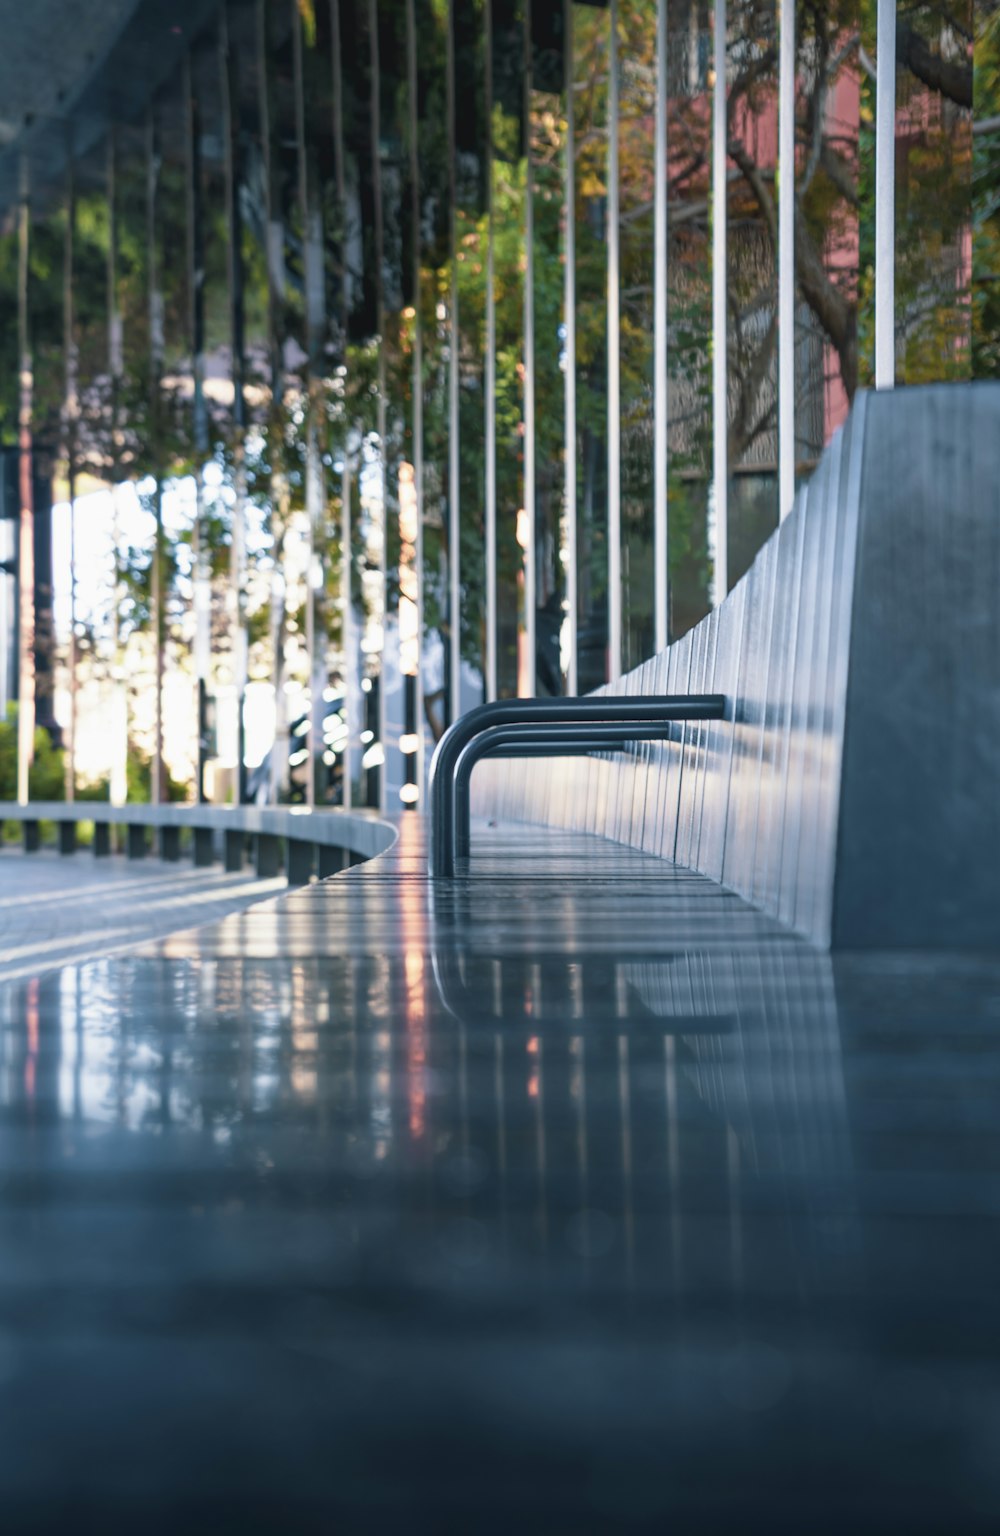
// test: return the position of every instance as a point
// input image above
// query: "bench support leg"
(268, 856)
(170, 844)
(204, 847)
(300, 861)
(102, 839)
(234, 842)
(67, 837)
(135, 845)
(331, 861)
(32, 836)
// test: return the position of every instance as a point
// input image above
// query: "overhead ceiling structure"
(71, 67)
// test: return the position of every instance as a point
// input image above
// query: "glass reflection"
(583, 1109)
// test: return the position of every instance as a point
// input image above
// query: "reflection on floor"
(573, 1195)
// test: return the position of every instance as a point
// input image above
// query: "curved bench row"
(307, 841)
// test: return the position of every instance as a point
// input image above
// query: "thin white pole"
(155, 298)
(529, 677)
(26, 521)
(569, 357)
(313, 738)
(194, 249)
(71, 418)
(346, 616)
(720, 392)
(418, 378)
(885, 197)
(116, 373)
(454, 483)
(235, 280)
(614, 367)
(786, 260)
(661, 547)
(380, 406)
(491, 383)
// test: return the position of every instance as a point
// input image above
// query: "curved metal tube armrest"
(594, 708)
(556, 740)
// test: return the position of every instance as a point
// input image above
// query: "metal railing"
(542, 727)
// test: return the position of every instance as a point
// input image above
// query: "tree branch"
(751, 174)
(952, 80)
(841, 173)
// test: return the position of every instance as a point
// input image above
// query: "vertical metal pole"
(302, 193)
(527, 681)
(786, 257)
(720, 335)
(885, 197)
(279, 480)
(312, 243)
(454, 502)
(491, 382)
(418, 377)
(346, 616)
(661, 548)
(195, 250)
(116, 369)
(569, 355)
(156, 444)
(614, 366)
(234, 264)
(26, 524)
(376, 126)
(71, 412)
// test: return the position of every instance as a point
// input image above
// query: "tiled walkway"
(570, 1197)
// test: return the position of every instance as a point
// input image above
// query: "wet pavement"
(570, 1195)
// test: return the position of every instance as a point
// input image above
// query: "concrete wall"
(852, 790)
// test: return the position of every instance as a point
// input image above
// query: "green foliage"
(139, 780)
(46, 776)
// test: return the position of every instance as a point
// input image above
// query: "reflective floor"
(56, 910)
(572, 1195)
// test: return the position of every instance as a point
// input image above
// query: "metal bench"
(540, 727)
